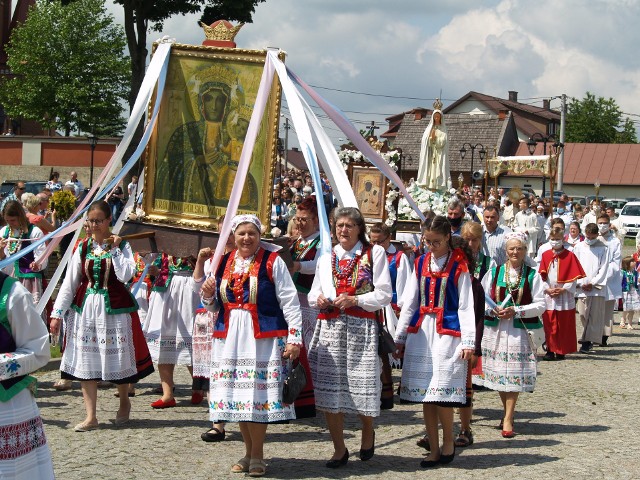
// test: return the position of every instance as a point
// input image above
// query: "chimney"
(546, 104)
(419, 115)
(502, 114)
(513, 96)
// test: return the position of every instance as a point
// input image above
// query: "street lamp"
(93, 141)
(482, 152)
(533, 142)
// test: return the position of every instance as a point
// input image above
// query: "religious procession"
(289, 294)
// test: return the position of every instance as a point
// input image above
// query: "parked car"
(616, 203)
(579, 200)
(34, 187)
(629, 219)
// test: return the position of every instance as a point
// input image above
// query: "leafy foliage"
(70, 68)
(64, 203)
(232, 10)
(598, 120)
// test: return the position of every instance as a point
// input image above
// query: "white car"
(629, 219)
(616, 203)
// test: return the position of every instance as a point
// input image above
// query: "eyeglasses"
(20, 188)
(345, 226)
(301, 219)
(433, 244)
(380, 242)
(93, 221)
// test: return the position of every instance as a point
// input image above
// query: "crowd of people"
(457, 312)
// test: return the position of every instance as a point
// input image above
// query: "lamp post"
(482, 152)
(93, 141)
(531, 145)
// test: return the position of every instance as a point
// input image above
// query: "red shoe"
(508, 434)
(162, 404)
(196, 397)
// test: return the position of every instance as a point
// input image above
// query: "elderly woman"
(436, 336)
(509, 361)
(103, 336)
(33, 204)
(257, 327)
(344, 349)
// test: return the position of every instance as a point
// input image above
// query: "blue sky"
(416, 48)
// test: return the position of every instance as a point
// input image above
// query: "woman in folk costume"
(560, 270)
(509, 362)
(257, 329)
(304, 253)
(433, 172)
(471, 236)
(436, 336)
(351, 287)
(399, 271)
(103, 337)
(203, 325)
(17, 234)
(24, 342)
(169, 323)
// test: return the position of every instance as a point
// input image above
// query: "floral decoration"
(427, 200)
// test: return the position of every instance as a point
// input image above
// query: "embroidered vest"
(21, 267)
(629, 280)
(359, 282)
(482, 266)
(301, 253)
(438, 293)
(10, 387)
(394, 260)
(169, 266)
(267, 316)
(499, 292)
(98, 276)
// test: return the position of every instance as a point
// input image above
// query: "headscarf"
(520, 236)
(245, 218)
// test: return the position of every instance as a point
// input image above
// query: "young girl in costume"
(436, 336)
(630, 298)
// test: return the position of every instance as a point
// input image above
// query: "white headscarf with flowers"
(254, 220)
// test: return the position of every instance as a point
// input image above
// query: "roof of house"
(523, 113)
(608, 163)
(395, 121)
(488, 130)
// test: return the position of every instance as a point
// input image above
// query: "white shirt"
(528, 223)
(594, 260)
(371, 301)
(614, 274)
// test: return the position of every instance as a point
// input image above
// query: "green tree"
(141, 15)
(70, 68)
(598, 120)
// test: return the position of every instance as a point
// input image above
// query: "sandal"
(424, 443)
(62, 385)
(465, 439)
(241, 466)
(257, 467)
(213, 435)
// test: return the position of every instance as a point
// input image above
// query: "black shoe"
(213, 435)
(368, 453)
(444, 459)
(604, 340)
(424, 443)
(560, 357)
(429, 463)
(340, 462)
(549, 356)
(586, 348)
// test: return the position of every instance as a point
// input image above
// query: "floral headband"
(248, 218)
(520, 236)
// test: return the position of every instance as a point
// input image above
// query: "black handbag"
(386, 345)
(294, 383)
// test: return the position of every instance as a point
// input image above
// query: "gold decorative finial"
(437, 105)
(221, 31)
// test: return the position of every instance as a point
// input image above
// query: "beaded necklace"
(347, 271)
(513, 287)
(14, 243)
(238, 279)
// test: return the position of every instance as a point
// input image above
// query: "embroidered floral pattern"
(10, 366)
(509, 356)
(21, 438)
(432, 391)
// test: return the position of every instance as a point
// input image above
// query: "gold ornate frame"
(193, 151)
(371, 202)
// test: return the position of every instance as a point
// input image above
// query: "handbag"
(386, 344)
(294, 383)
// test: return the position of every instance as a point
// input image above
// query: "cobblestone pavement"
(580, 422)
